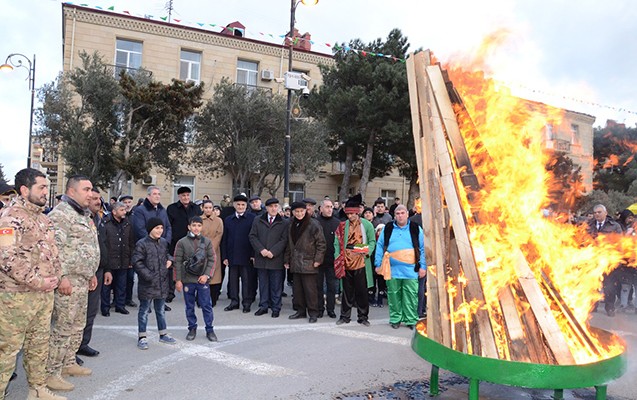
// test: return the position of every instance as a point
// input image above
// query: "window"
(388, 196)
(188, 181)
(297, 192)
(190, 66)
(128, 56)
(247, 73)
(549, 132)
(575, 134)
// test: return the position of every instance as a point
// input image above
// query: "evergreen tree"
(112, 128)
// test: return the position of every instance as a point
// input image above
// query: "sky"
(578, 55)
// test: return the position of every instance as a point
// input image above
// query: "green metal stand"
(434, 389)
(600, 392)
(520, 374)
(474, 389)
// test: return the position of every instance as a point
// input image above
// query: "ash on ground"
(456, 387)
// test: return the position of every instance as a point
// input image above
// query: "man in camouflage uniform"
(29, 272)
(76, 239)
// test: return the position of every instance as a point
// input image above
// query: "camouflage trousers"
(69, 319)
(25, 323)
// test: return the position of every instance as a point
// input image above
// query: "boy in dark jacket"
(195, 283)
(152, 262)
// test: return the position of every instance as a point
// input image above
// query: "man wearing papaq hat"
(355, 238)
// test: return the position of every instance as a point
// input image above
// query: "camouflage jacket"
(27, 247)
(76, 238)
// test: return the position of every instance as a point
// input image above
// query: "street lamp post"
(15, 60)
(288, 126)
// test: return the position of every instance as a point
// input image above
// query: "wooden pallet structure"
(524, 325)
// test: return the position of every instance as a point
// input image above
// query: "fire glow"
(504, 140)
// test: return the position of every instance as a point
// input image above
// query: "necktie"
(271, 219)
(599, 226)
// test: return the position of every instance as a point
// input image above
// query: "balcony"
(558, 145)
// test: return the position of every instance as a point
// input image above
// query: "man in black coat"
(150, 207)
(326, 275)
(237, 255)
(268, 237)
(116, 234)
(179, 213)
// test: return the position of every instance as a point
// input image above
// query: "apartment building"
(174, 51)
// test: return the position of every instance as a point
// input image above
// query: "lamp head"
(6, 67)
(309, 2)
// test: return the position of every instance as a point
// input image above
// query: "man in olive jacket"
(303, 255)
(268, 237)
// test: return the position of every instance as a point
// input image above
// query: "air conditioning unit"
(296, 80)
(149, 180)
(267, 75)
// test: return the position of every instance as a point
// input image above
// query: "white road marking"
(213, 352)
(112, 389)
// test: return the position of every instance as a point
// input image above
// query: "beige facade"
(573, 136)
(162, 47)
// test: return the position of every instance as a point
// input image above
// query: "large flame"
(507, 154)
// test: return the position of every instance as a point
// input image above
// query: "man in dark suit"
(268, 237)
(237, 255)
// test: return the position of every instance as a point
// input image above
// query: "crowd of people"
(62, 266)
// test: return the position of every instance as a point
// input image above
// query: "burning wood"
(524, 317)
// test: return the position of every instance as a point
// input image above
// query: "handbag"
(197, 262)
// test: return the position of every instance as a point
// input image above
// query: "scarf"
(298, 227)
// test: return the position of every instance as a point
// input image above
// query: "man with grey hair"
(150, 208)
(599, 226)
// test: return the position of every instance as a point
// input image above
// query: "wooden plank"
(459, 331)
(513, 326)
(458, 223)
(535, 342)
(434, 327)
(437, 302)
(542, 311)
(468, 177)
(577, 329)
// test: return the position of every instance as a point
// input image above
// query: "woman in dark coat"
(303, 255)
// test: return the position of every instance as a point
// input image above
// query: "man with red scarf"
(355, 238)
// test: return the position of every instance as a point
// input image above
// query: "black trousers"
(610, 287)
(130, 282)
(248, 277)
(215, 291)
(355, 292)
(305, 291)
(94, 299)
(326, 279)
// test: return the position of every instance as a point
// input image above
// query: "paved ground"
(266, 358)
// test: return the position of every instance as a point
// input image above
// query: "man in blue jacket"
(238, 256)
(401, 244)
